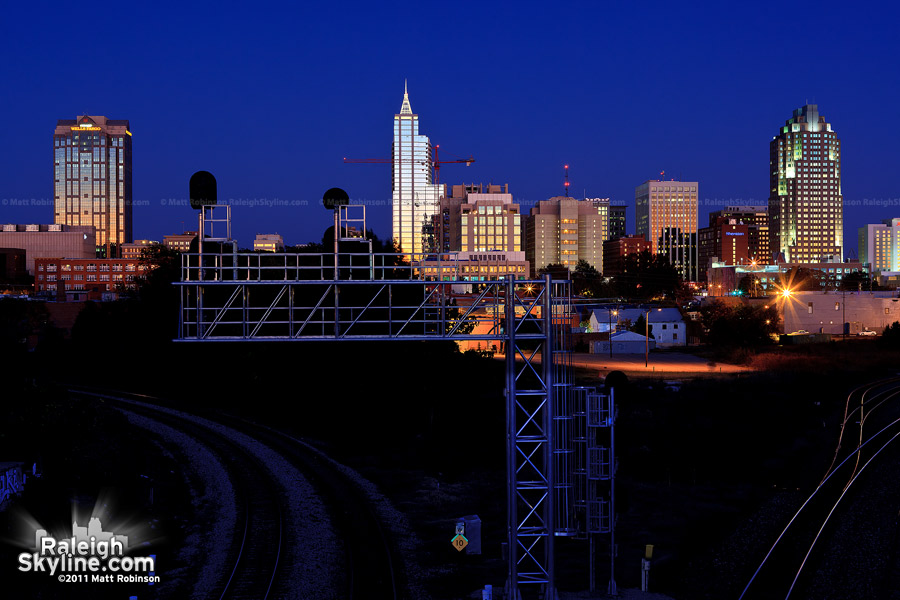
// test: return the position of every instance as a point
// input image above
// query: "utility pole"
(647, 340)
(610, 313)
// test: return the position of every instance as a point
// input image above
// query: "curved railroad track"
(793, 566)
(263, 539)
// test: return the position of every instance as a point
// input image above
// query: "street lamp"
(647, 337)
(610, 315)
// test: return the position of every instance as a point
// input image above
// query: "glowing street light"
(647, 337)
(610, 314)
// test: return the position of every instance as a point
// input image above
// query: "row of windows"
(66, 267)
(87, 278)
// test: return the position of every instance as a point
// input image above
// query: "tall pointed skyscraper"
(805, 201)
(415, 199)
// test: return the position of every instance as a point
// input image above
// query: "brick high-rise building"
(745, 244)
(92, 177)
(615, 252)
(805, 201)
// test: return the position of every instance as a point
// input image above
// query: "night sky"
(271, 98)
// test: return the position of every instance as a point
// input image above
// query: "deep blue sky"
(270, 98)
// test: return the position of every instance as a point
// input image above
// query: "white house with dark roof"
(668, 326)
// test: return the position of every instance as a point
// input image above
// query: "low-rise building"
(268, 242)
(827, 312)
(134, 249)
(88, 274)
(724, 279)
(624, 342)
(474, 266)
(668, 326)
(180, 242)
(55, 239)
(889, 279)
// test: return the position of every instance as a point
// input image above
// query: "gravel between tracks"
(212, 496)
(399, 528)
(315, 567)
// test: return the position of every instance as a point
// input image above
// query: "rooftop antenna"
(566, 184)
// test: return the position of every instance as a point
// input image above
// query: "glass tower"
(92, 177)
(805, 201)
(415, 199)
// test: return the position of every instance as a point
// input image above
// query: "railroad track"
(371, 567)
(792, 566)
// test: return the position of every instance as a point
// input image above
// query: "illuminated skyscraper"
(666, 215)
(805, 201)
(92, 176)
(415, 199)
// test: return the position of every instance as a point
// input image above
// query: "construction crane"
(434, 163)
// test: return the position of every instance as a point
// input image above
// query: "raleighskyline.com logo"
(91, 554)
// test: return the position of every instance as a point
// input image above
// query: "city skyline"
(405, 161)
(204, 112)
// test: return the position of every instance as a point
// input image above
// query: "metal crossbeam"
(387, 308)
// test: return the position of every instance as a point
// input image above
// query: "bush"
(890, 338)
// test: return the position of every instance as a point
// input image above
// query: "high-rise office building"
(666, 215)
(416, 200)
(92, 177)
(757, 220)
(564, 230)
(480, 218)
(805, 201)
(879, 245)
(617, 221)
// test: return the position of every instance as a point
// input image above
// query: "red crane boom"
(434, 162)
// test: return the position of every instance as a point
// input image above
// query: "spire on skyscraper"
(405, 109)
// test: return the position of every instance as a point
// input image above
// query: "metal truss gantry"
(363, 296)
